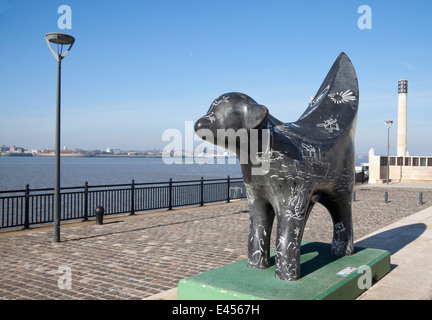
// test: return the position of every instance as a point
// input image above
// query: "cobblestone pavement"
(134, 257)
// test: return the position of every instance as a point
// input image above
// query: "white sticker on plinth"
(346, 271)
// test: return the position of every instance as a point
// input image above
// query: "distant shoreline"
(79, 155)
(6, 154)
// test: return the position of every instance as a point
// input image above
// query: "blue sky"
(138, 68)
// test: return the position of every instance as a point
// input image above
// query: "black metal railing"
(22, 208)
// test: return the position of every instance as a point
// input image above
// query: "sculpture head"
(231, 113)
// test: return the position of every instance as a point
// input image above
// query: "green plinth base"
(319, 277)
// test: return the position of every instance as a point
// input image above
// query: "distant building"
(403, 167)
(112, 151)
(15, 149)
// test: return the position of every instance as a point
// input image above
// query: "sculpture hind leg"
(339, 206)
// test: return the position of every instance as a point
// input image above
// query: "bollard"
(421, 198)
(354, 196)
(386, 197)
(99, 211)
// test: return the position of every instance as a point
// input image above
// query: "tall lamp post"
(388, 124)
(60, 39)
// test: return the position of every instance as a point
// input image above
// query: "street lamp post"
(388, 124)
(60, 39)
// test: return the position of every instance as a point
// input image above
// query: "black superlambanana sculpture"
(288, 167)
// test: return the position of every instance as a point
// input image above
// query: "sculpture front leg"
(288, 244)
(292, 216)
(261, 223)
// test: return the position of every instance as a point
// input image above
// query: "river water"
(38, 172)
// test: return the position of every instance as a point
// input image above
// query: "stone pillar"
(402, 118)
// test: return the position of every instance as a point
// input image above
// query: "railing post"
(27, 207)
(228, 191)
(132, 199)
(85, 201)
(170, 195)
(202, 192)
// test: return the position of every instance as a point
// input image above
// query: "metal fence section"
(22, 208)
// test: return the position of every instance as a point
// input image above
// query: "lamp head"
(60, 39)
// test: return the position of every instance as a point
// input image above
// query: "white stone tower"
(402, 118)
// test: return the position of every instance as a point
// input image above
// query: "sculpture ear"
(255, 116)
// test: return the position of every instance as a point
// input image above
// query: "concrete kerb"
(165, 295)
(409, 241)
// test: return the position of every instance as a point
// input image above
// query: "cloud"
(412, 67)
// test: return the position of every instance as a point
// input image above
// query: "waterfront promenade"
(144, 256)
